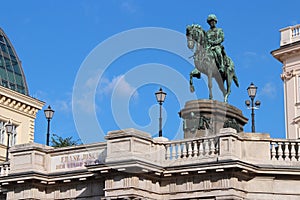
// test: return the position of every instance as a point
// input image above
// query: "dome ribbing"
(11, 72)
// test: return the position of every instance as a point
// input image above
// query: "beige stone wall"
(21, 111)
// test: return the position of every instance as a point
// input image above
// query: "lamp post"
(9, 129)
(160, 97)
(48, 114)
(251, 105)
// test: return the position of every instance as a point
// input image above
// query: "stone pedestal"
(206, 117)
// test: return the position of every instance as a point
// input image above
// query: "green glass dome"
(11, 72)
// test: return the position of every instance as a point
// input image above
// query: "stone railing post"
(29, 157)
(131, 144)
(160, 153)
(229, 144)
(252, 147)
(286, 36)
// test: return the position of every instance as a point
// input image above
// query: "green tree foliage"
(58, 141)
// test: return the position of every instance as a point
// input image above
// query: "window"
(19, 79)
(16, 67)
(8, 64)
(2, 132)
(13, 136)
(12, 86)
(4, 83)
(1, 38)
(1, 62)
(3, 135)
(10, 50)
(20, 89)
(3, 73)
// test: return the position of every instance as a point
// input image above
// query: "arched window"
(3, 134)
(13, 136)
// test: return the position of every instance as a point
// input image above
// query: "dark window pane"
(10, 50)
(4, 83)
(21, 89)
(16, 67)
(8, 64)
(13, 58)
(1, 61)
(5, 40)
(3, 73)
(19, 79)
(11, 76)
(3, 47)
(12, 86)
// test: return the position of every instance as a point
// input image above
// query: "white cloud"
(93, 80)
(63, 105)
(119, 86)
(269, 90)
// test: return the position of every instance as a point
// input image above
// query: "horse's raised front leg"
(192, 89)
(194, 73)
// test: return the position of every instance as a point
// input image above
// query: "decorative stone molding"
(285, 76)
(20, 103)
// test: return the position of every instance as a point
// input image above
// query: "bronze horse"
(205, 62)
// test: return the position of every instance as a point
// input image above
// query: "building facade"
(289, 55)
(132, 165)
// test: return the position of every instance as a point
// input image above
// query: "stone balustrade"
(296, 30)
(290, 34)
(285, 150)
(141, 162)
(192, 148)
(4, 169)
(126, 146)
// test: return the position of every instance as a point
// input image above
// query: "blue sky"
(55, 38)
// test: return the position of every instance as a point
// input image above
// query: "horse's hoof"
(192, 89)
(226, 99)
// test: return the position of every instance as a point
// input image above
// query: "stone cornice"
(286, 51)
(20, 103)
(46, 178)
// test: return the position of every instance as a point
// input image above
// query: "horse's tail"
(235, 79)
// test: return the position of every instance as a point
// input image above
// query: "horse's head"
(189, 36)
(194, 33)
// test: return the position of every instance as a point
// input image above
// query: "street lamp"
(160, 97)
(48, 114)
(9, 129)
(251, 105)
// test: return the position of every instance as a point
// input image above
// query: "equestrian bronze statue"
(210, 57)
